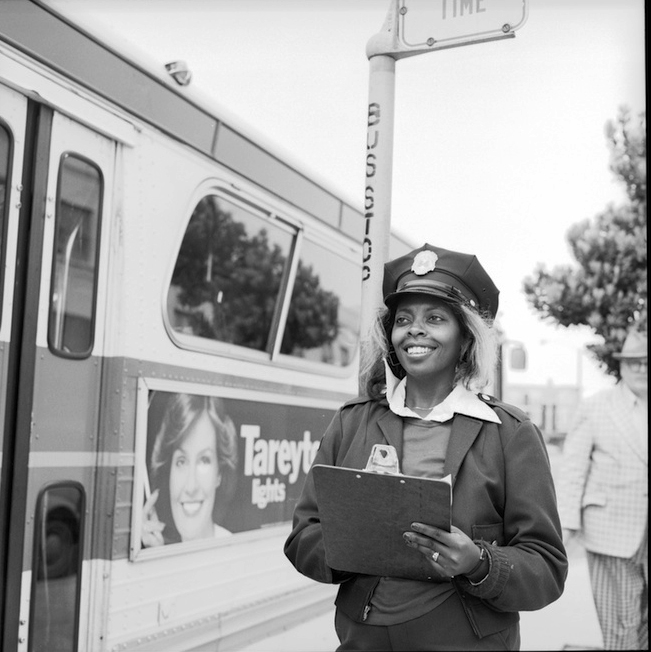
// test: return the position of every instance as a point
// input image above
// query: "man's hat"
(635, 346)
(441, 273)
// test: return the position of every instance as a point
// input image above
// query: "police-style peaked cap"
(441, 273)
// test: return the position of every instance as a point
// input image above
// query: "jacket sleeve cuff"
(499, 569)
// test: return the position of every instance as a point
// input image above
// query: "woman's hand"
(152, 528)
(450, 553)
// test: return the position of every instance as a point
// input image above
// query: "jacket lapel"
(464, 432)
(625, 425)
(391, 426)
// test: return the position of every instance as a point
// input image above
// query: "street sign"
(437, 24)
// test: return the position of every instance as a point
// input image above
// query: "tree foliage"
(607, 288)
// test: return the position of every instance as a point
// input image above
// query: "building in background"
(550, 406)
(549, 380)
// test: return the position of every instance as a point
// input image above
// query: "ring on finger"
(435, 556)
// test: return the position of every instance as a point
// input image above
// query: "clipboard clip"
(383, 459)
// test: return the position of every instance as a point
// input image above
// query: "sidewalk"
(571, 622)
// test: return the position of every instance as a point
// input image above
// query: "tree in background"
(607, 290)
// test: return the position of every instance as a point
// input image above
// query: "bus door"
(61, 179)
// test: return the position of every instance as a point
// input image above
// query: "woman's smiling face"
(427, 338)
(194, 478)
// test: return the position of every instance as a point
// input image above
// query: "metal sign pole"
(377, 194)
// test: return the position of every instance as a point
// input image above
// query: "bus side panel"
(227, 594)
(59, 426)
(92, 416)
(232, 591)
(184, 596)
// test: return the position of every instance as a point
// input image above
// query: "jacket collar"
(459, 401)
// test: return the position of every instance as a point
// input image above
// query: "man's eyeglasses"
(637, 364)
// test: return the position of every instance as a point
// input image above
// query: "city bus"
(157, 259)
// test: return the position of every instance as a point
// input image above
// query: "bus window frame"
(305, 364)
(4, 218)
(38, 523)
(271, 355)
(54, 349)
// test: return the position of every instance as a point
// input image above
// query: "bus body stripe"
(79, 459)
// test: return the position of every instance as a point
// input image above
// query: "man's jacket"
(604, 486)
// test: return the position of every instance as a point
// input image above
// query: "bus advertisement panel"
(212, 466)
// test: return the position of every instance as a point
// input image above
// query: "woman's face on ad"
(194, 478)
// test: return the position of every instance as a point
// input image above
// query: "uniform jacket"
(603, 490)
(503, 493)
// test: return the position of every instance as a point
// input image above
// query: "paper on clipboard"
(364, 515)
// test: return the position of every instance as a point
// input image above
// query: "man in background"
(603, 497)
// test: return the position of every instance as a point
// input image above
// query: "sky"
(499, 147)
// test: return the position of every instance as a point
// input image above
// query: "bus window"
(5, 152)
(76, 249)
(56, 568)
(324, 313)
(228, 276)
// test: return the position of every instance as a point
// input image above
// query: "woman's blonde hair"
(477, 361)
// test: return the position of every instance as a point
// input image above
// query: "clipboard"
(364, 514)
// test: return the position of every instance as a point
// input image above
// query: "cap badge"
(425, 261)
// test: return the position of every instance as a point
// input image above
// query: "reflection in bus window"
(74, 274)
(228, 275)
(5, 149)
(56, 582)
(324, 313)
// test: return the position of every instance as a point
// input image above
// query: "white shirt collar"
(460, 400)
(633, 400)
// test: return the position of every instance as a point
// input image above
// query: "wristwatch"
(482, 556)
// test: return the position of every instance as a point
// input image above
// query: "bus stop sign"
(436, 24)
(411, 27)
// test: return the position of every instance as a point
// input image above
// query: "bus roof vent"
(180, 72)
